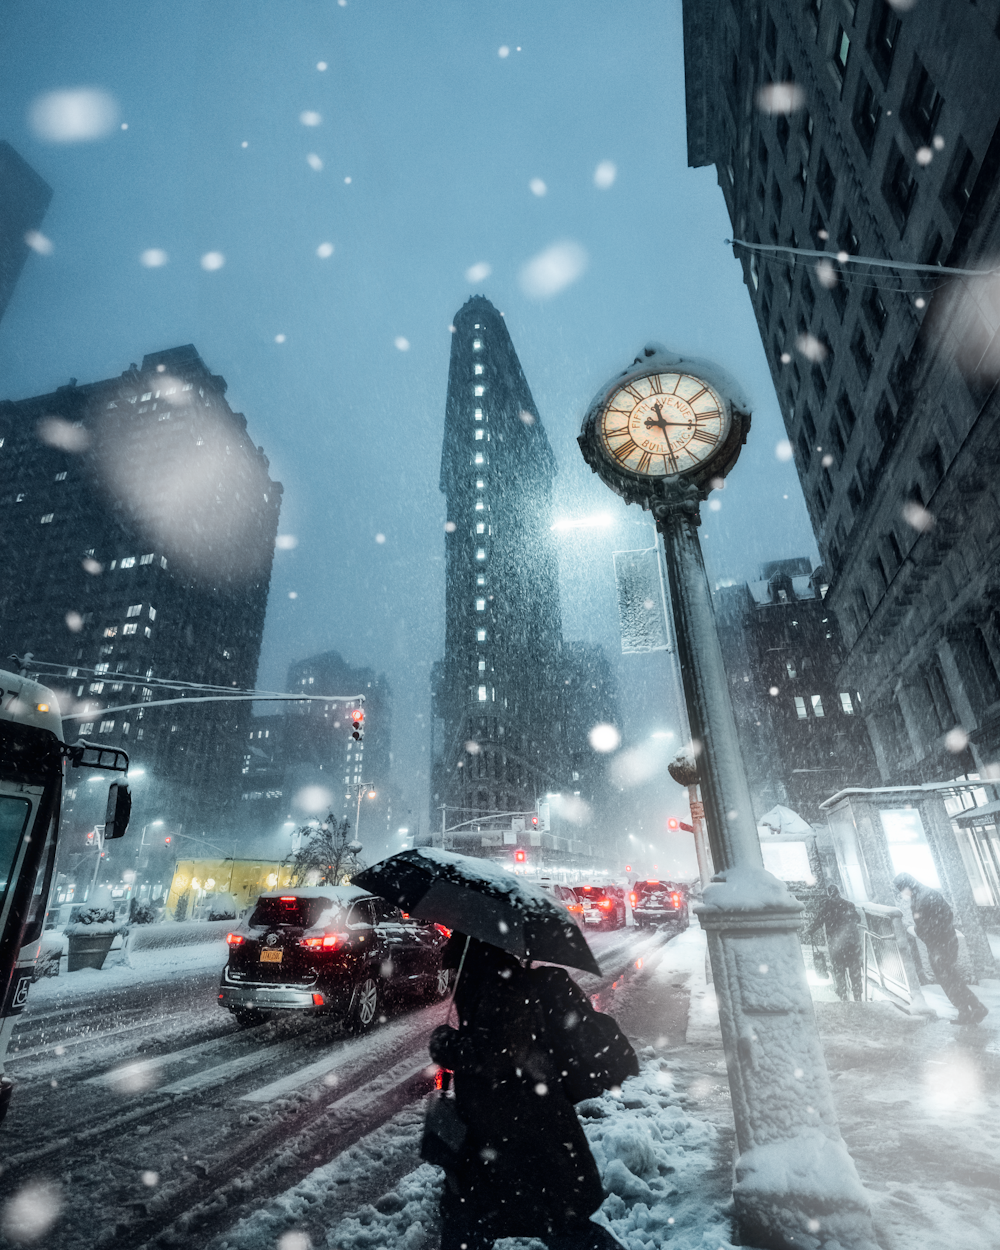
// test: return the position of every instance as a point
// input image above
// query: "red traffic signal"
(628, 867)
(520, 857)
(357, 720)
(167, 841)
(673, 824)
(534, 822)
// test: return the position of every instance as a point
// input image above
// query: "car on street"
(599, 906)
(330, 950)
(659, 902)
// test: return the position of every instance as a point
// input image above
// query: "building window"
(481, 579)
(88, 728)
(47, 518)
(106, 727)
(479, 414)
(479, 456)
(129, 629)
(862, 353)
(817, 705)
(846, 705)
(480, 505)
(826, 183)
(476, 345)
(921, 107)
(480, 605)
(148, 632)
(134, 610)
(877, 312)
(146, 559)
(61, 477)
(128, 562)
(481, 527)
(111, 631)
(479, 435)
(482, 694)
(866, 115)
(482, 666)
(883, 36)
(479, 390)
(800, 707)
(480, 635)
(962, 178)
(841, 52)
(480, 553)
(899, 187)
(152, 614)
(478, 369)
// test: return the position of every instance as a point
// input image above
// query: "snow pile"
(745, 889)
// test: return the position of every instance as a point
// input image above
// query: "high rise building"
(137, 540)
(497, 695)
(803, 738)
(24, 197)
(864, 131)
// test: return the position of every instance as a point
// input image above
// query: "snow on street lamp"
(663, 433)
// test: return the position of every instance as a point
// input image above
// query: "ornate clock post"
(659, 434)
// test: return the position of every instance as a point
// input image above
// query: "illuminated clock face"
(662, 424)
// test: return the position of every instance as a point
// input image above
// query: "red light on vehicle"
(673, 824)
(651, 881)
(575, 907)
(288, 898)
(520, 857)
(631, 899)
(605, 903)
(328, 942)
(628, 867)
(675, 899)
(439, 1077)
(318, 1000)
(441, 929)
(235, 939)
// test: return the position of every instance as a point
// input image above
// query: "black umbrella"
(483, 900)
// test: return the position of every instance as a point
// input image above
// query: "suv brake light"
(604, 902)
(235, 939)
(675, 899)
(328, 942)
(632, 899)
(441, 929)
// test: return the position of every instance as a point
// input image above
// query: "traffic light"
(167, 840)
(534, 822)
(520, 857)
(357, 723)
(673, 824)
(628, 867)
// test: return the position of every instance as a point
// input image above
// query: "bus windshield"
(14, 813)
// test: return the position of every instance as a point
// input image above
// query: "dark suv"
(600, 906)
(659, 902)
(333, 950)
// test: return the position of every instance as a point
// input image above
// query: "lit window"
(480, 605)
(479, 414)
(482, 694)
(140, 733)
(479, 460)
(148, 632)
(106, 726)
(482, 666)
(100, 668)
(112, 404)
(47, 518)
(152, 614)
(146, 559)
(479, 369)
(846, 706)
(111, 631)
(20, 497)
(800, 707)
(479, 390)
(481, 527)
(163, 559)
(129, 629)
(817, 702)
(476, 344)
(128, 562)
(61, 477)
(479, 483)
(480, 553)
(134, 610)
(481, 579)
(148, 395)
(479, 505)
(88, 728)
(479, 435)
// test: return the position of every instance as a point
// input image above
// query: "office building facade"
(864, 131)
(137, 540)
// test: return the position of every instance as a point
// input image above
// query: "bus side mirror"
(119, 810)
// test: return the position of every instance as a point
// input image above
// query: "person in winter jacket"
(525, 1168)
(934, 924)
(840, 919)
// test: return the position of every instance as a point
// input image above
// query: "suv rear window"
(301, 913)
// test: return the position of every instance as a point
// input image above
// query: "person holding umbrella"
(522, 1166)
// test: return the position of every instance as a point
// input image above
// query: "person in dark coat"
(840, 919)
(525, 1167)
(934, 924)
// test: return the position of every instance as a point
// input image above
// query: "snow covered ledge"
(796, 1185)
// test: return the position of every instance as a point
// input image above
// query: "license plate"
(270, 957)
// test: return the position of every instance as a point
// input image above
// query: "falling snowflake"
(324, 250)
(286, 542)
(605, 175)
(956, 740)
(39, 243)
(604, 738)
(31, 1212)
(153, 257)
(212, 260)
(783, 450)
(478, 272)
(503, 52)
(917, 516)
(811, 347)
(538, 187)
(73, 116)
(57, 432)
(309, 118)
(554, 269)
(314, 162)
(74, 621)
(402, 345)
(780, 97)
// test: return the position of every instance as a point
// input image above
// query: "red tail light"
(288, 898)
(235, 939)
(675, 900)
(575, 907)
(631, 899)
(441, 929)
(605, 903)
(319, 1000)
(328, 942)
(439, 1077)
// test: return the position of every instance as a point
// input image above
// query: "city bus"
(33, 760)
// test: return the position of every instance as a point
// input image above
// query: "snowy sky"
(428, 141)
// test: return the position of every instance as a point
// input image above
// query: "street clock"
(664, 420)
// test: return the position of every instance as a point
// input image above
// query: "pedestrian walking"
(839, 917)
(524, 1168)
(934, 924)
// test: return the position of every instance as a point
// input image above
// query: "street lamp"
(663, 433)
